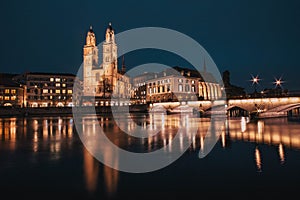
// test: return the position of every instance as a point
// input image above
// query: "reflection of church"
(102, 79)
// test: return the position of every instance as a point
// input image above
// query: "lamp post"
(255, 81)
(278, 87)
(278, 82)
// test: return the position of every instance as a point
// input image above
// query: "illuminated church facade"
(101, 78)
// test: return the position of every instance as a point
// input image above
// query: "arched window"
(180, 88)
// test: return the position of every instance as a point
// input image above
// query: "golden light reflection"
(45, 129)
(258, 159)
(260, 127)
(281, 153)
(243, 124)
(91, 171)
(35, 142)
(223, 139)
(110, 175)
(201, 142)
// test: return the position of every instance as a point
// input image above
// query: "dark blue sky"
(244, 37)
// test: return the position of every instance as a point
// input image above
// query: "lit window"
(64, 85)
(6, 91)
(45, 91)
(57, 91)
(180, 80)
(63, 91)
(6, 98)
(193, 82)
(51, 79)
(57, 84)
(193, 88)
(13, 91)
(50, 97)
(1, 97)
(13, 98)
(180, 88)
(57, 80)
(70, 91)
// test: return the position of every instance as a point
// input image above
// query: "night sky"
(244, 37)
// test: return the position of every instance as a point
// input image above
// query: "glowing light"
(243, 125)
(281, 153)
(258, 159)
(255, 79)
(278, 82)
(223, 139)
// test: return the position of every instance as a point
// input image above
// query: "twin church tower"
(101, 78)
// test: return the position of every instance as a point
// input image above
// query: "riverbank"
(9, 111)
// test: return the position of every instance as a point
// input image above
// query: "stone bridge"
(267, 107)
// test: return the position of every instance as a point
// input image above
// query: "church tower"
(110, 65)
(90, 61)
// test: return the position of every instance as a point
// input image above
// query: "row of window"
(40, 85)
(51, 79)
(180, 80)
(162, 89)
(31, 97)
(10, 91)
(46, 91)
(61, 80)
(160, 82)
(49, 91)
(186, 81)
(187, 88)
(7, 98)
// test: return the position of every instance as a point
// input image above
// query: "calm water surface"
(43, 157)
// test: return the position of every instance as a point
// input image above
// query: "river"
(44, 157)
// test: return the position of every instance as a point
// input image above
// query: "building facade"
(46, 89)
(11, 93)
(101, 78)
(139, 87)
(175, 84)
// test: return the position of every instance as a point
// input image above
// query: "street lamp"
(255, 81)
(278, 82)
(278, 87)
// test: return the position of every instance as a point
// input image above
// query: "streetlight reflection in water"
(56, 135)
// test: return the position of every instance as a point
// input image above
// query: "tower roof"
(109, 26)
(91, 29)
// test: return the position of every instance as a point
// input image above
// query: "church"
(102, 80)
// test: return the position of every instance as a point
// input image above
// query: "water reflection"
(50, 137)
(40, 133)
(281, 153)
(275, 132)
(91, 171)
(258, 159)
